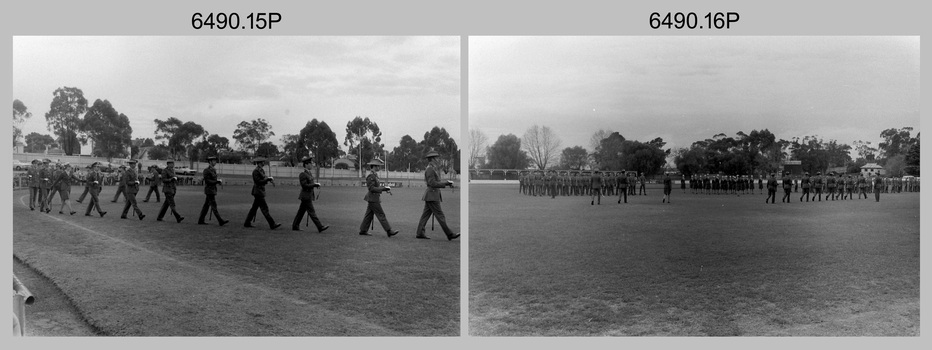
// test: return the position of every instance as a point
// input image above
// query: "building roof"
(871, 166)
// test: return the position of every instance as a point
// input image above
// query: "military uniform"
(667, 188)
(168, 189)
(33, 175)
(862, 186)
(130, 183)
(373, 199)
(210, 190)
(806, 183)
(595, 185)
(45, 182)
(154, 179)
(878, 186)
(93, 180)
(622, 183)
(121, 185)
(259, 180)
(771, 190)
(307, 198)
(53, 187)
(787, 187)
(432, 199)
(817, 186)
(63, 185)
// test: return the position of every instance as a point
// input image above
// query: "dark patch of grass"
(705, 265)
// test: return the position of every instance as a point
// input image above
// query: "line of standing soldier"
(552, 184)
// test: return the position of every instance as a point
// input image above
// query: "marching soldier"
(210, 189)
(259, 181)
(33, 175)
(432, 198)
(87, 186)
(787, 187)
(168, 189)
(63, 185)
(93, 179)
(121, 185)
(54, 172)
(154, 179)
(817, 185)
(307, 197)
(130, 183)
(806, 183)
(374, 199)
(831, 184)
(862, 186)
(595, 183)
(771, 189)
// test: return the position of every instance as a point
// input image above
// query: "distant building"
(870, 169)
(794, 167)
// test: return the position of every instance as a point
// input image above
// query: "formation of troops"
(834, 186)
(596, 184)
(551, 184)
(46, 179)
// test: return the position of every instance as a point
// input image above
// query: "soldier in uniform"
(862, 186)
(63, 185)
(817, 185)
(210, 190)
(54, 172)
(168, 189)
(683, 183)
(667, 187)
(45, 181)
(121, 185)
(771, 189)
(787, 187)
(806, 183)
(831, 185)
(595, 184)
(878, 186)
(93, 179)
(622, 183)
(130, 187)
(432, 198)
(87, 186)
(259, 180)
(307, 197)
(33, 175)
(154, 179)
(642, 180)
(374, 199)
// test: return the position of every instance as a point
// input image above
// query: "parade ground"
(149, 278)
(705, 265)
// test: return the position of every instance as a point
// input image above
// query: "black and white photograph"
(627, 186)
(236, 185)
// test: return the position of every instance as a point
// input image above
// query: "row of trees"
(540, 149)
(757, 152)
(73, 124)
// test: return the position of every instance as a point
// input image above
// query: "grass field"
(149, 278)
(703, 265)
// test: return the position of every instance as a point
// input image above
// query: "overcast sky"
(405, 84)
(685, 89)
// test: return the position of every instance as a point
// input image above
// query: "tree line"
(757, 152)
(74, 123)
